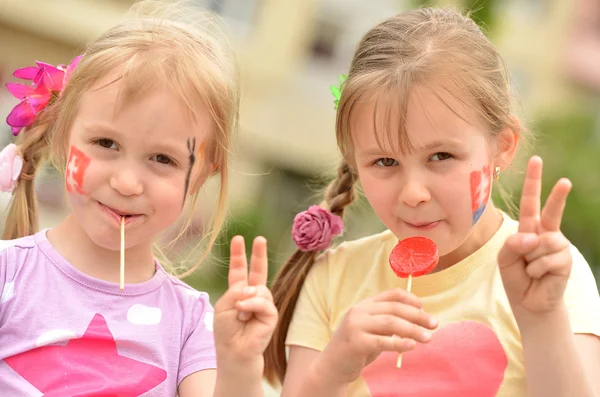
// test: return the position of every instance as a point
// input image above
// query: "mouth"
(117, 215)
(422, 225)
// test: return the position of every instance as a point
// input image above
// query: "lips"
(118, 214)
(422, 225)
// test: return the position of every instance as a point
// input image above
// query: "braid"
(22, 214)
(288, 282)
(341, 192)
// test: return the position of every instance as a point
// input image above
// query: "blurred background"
(290, 52)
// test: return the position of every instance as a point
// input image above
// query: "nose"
(127, 183)
(414, 191)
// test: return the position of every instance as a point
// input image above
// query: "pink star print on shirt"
(86, 366)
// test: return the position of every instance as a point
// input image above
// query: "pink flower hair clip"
(47, 83)
(11, 164)
(314, 228)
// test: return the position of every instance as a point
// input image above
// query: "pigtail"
(22, 215)
(288, 282)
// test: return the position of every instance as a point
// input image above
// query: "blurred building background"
(290, 52)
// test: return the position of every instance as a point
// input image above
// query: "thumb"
(516, 247)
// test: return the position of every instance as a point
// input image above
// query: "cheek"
(455, 193)
(377, 192)
(166, 200)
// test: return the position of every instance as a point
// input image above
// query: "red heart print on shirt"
(462, 359)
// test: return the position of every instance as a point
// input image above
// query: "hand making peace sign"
(535, 263)
(245, 316)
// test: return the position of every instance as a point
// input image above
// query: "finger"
(259, 263)
(386, 324)
(516, 247)
(549, 244)
(390, 343)
(558, 263)
(529, 209)
(238, 264)
(236, 292)
(399, 295)
(406, 312)
(258, 305)
(552, 213)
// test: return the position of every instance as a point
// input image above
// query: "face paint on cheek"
(481, 185)
(76, 166)
(191, 145)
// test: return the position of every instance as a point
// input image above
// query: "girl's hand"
(245, 316)
(391, 321)
(535, 263)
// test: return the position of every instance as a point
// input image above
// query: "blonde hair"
(156, 46)
(434, 47)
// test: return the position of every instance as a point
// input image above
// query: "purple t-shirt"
(63, 333)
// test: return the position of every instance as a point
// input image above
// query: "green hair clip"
(337, 90)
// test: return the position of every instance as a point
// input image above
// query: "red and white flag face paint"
(76, 166)
(481, 184)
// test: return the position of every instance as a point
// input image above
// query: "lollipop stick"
(408, 288)
(122, 253)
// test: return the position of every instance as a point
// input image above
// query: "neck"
(482, 232)
(71, 241)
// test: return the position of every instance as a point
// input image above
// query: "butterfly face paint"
(481, 184)
(76, 166)
(191, 145)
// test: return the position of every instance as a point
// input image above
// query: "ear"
(507, 142)
(204, 168)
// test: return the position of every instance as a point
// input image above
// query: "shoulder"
(25, 243)
(372, 247)
(354, 258)
(193, 303)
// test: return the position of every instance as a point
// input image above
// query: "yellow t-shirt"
(476, 350)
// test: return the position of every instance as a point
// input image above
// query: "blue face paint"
(481, 184)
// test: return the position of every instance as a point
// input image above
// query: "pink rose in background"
(314, 228)
(47, 82)
(11, 164)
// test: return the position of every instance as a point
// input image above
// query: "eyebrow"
(433, 145)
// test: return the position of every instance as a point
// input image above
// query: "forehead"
(154, 111)
(426, 116)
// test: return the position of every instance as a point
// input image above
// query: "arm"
(588, 347)
(552, 295)
(557, 362)
(226, 382)
(390, 321)
(300, 382)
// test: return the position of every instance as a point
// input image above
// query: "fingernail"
(433, 322)
(250, 290)
(529, 238)
(426, 335)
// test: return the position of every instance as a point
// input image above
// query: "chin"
(108, 242)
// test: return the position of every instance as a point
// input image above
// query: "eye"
(386, 162)
(440, 156)
(106, 143)
(163, 159)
